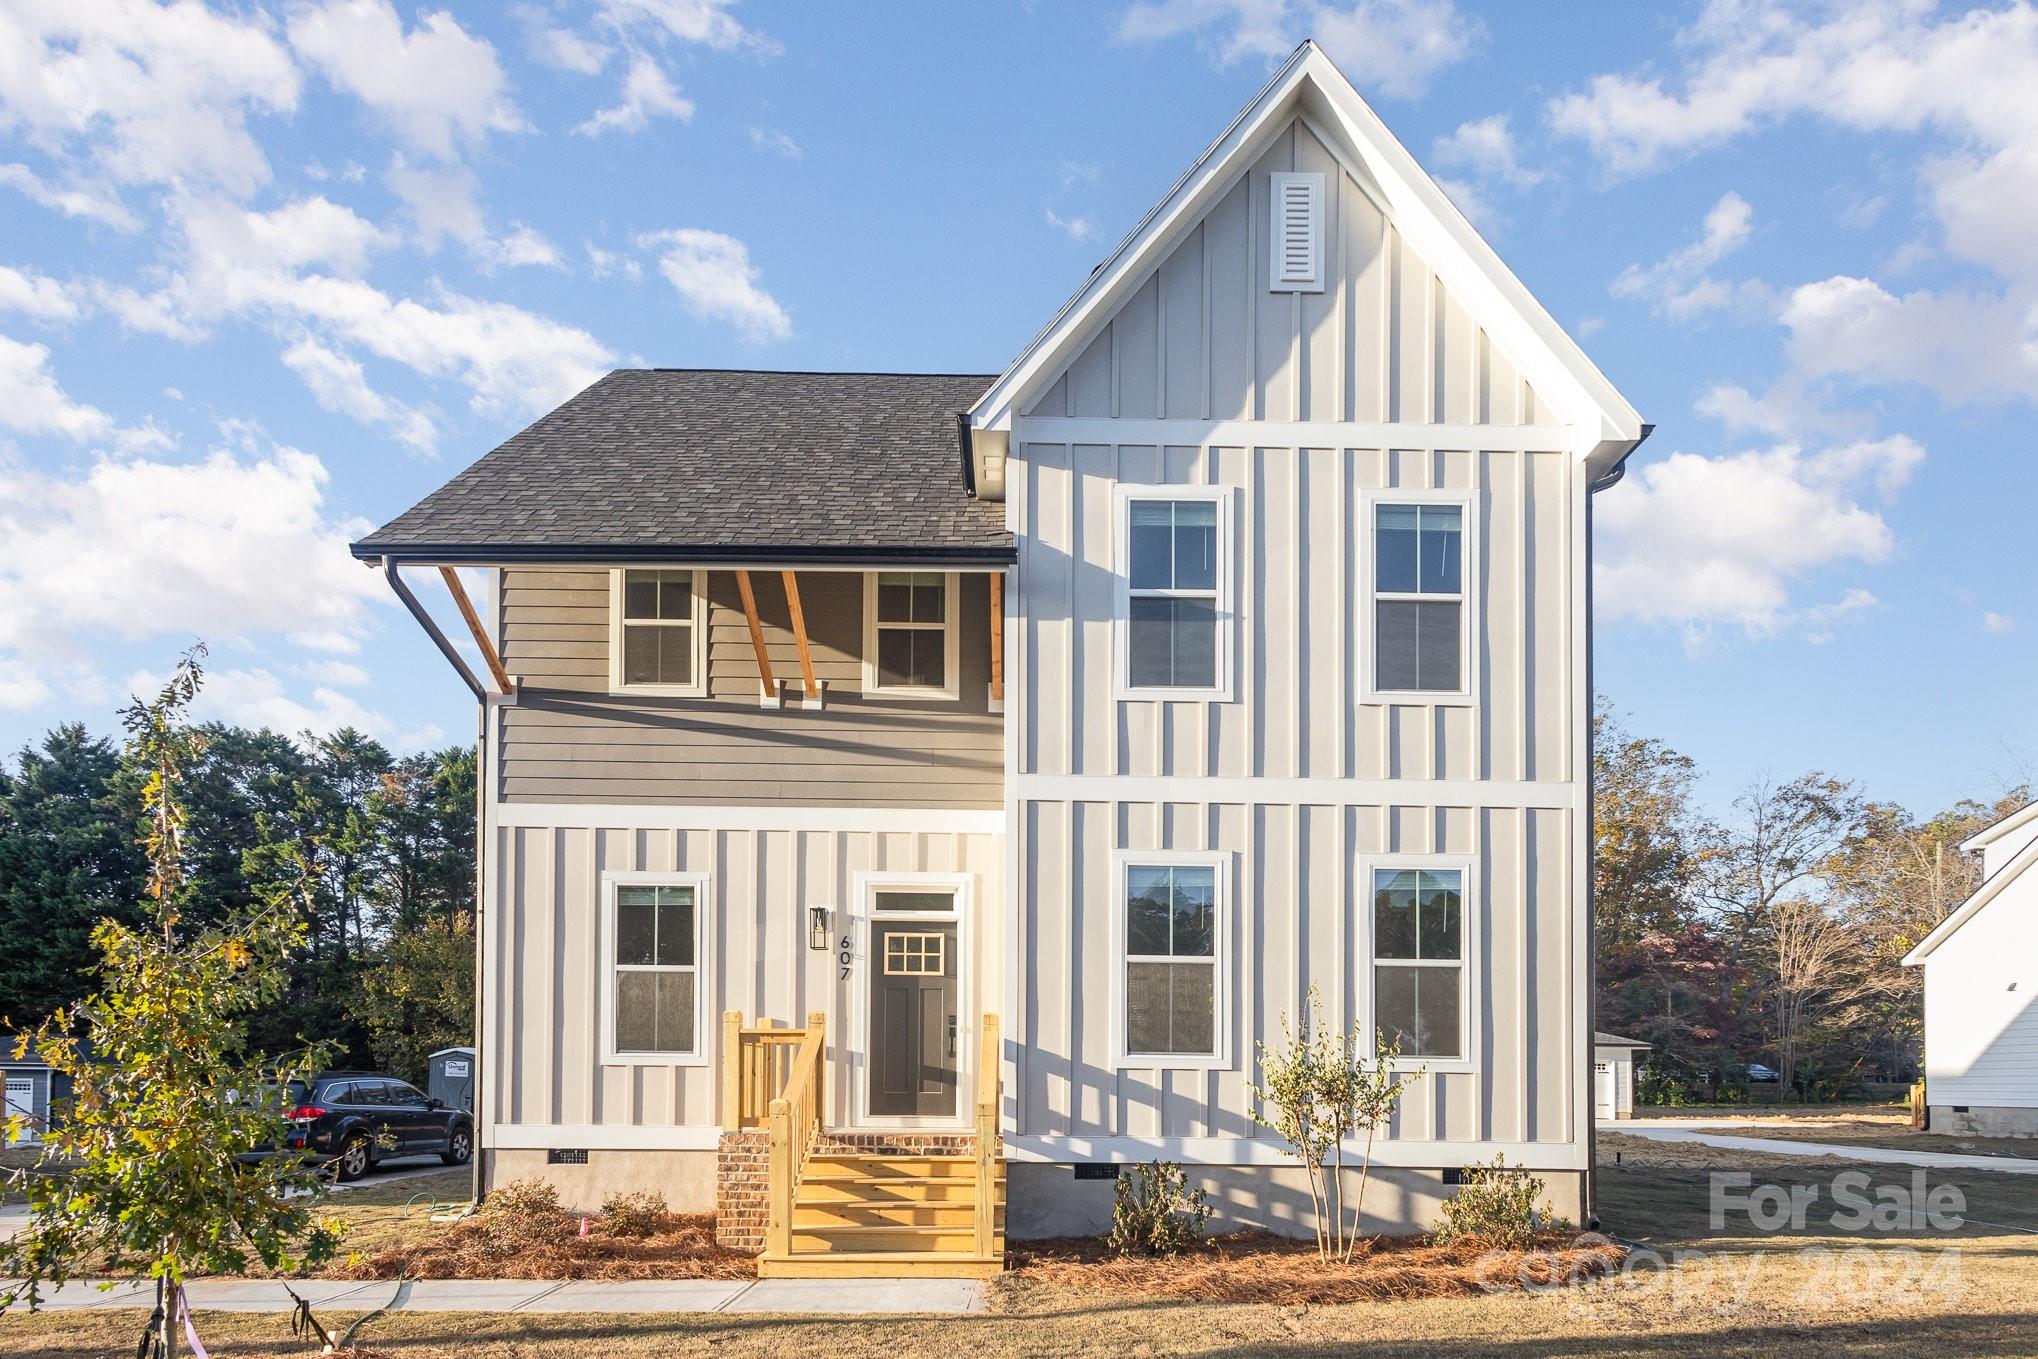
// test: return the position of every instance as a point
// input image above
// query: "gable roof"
(1991, 887)
(1309, 85)
(1614, 1040)
(717, 466)
(2015, 821)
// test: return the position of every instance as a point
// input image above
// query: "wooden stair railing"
(795, 1126)
(756, 1060)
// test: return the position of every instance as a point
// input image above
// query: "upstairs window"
(910, 638)
(1420, 598)
(1175, 593)
(658, 638)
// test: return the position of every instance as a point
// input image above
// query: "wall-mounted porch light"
(817, 928)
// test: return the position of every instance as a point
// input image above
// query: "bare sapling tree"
(1318, 1092)
(143, 1175)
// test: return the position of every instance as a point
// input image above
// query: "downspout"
(391, 574)
(1607, 480)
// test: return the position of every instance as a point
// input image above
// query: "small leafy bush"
(523, 1215)
(640, 1213)
(1156, 1213)
(1497, 1205)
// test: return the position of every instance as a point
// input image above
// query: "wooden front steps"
(879, 1216)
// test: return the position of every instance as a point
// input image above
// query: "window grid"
(918, 618)
(652, 606)
(1172, 959)
(1451, 520)
(1435, 949)
(916, 955)
(660, 899)
(1151, 605)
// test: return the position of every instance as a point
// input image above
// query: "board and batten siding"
(545, 977)
(1204, 338)
(1293, 778)
(568, 739)
(1981, 1005)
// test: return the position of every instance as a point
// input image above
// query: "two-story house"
(909, 798)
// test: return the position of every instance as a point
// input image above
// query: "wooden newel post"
(817, 1034)
(732, 1070)
(988, 1075)
(778, 1229)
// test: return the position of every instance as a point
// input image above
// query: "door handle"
(951, 1035)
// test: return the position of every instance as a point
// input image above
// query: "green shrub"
(1155, 1212)
(523, 1215)
(1498, 1206)
(640, 1213)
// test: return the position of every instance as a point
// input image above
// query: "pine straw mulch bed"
(1260, 1267)
(682, 1248)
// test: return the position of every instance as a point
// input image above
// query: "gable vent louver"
(1297, 237)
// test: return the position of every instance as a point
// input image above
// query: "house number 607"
(848, 955)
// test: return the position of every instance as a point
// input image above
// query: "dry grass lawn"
(1692, 1290)
(1856, 1127)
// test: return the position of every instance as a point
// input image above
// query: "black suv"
(360, 1118)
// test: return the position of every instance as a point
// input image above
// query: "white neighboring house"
(1981, 992)
(1613, 1075)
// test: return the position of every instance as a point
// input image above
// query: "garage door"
(21, 1100)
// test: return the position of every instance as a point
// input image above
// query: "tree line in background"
(377, 853)
(1775, 935)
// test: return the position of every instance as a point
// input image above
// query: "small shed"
(451, 1078)
(32, 1088)
(1613, 1075)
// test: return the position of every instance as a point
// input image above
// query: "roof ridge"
(806, 372)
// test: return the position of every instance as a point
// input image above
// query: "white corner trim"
(1257, 1151)
(764, 817)
(600, 1137)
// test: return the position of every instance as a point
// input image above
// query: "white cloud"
(31, 401)
(229, 547)
(1391, 48)
(1080, 227)
(705, 22)
(437, 87)
(1822, 621)
(244, 263)
(257, 697)
(1786, 410)
(523, 246)
(36, 295)
(1711, 541)
(1998, 623)
(338, 384)
(716, 280)
(440, 202)
(778, 143)
(647, 93)
(90, 202)
(608, 263)
(1486, 147)
(1964, 346)
(1079, 173)
(145, 313)
(147, 93)
(1471, 200)
(1680, 285)
(21, 686)
(562, 48)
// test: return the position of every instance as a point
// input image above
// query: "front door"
(913, 1012)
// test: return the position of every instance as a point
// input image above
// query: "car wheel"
(459, 1147)
(352, 1161)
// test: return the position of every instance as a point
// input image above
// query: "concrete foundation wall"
(685, 1178)
(1980, 1121)
(1047, 1200)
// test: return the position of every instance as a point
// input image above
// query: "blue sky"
(268, 273)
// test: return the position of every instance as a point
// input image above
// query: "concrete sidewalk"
(1654, 1131)
(832, 1297)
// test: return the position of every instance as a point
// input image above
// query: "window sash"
(1439, 532)
(689, 631)
(1422, 906)
(655, 1010)
(945, 627)
(1166, 1014)
(1202, 509)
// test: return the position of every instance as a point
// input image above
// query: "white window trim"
(1471, 524)
(951, 627)
(703, 953)
(1224, 962)
(699, 688)
(1123, 689)
(1470, 1010)
(864, 915)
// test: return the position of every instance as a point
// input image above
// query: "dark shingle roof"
(720, 465)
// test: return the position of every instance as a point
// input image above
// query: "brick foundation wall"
(743, 1172)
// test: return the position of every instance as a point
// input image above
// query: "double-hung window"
(657, 632)
(1420, 574)
(654, 945)
(1171, 960)
(1421, 995)
(1174, 605)
(910, 634)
